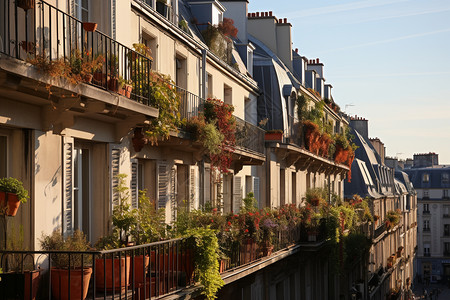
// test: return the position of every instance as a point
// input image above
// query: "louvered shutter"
(193, 188)
(163, 185)
(207, 185)
(173, 192)
(237, 193)
(256, 189)
(68, 176)
(115, 171)
(134, 184)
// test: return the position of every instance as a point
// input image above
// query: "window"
(446, 249)
(426, 194)
(181, 72)
(209, 85)
(151, 43)
(444, 193)
(426, 178)
(426, 208)
(82, 10)
(445, 178)
(426, 225)
(227, 94)
(446, 229)
(426, 250)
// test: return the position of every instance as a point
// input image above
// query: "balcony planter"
(17, 285)
(140, 267)
(274, 136)
(121, 273)
(89, 26)
(25, 4)
(79, 283)
(224, 265)
(113, 84)
(248, 251)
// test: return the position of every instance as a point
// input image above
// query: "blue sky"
(388, 61)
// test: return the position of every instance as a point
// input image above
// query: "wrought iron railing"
(379, 230)
(52, 34)
(145, 271)
(249, 136)
(190, 104)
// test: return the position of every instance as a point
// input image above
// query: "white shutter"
(256, 189)
(193, 188)
(134, 184)
(163, 185)
(68, 177)
(115, 171)
(173, 192)
(207, 185)
(237, 193)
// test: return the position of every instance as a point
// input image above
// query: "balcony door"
(81, 10)
(82, 189)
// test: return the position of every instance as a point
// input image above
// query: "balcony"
(426, 229)
(379, 230)
(74, 65)
(426, 212)
(427, 255)
(249, 138)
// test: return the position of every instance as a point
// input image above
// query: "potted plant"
(20, 278)
(26, 4)
(268, 230)
(89, 26)
(65, 266)
(113, 72)
(124, 220)
(274, 135)
(316, 196)
(12, 193)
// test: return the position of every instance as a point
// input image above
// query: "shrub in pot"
(65, 265)
(12, 193)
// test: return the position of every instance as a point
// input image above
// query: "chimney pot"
(296, 50)
(266, 13)
(257, 14)
(249, 14)
(285, 20)
(317, 60)
(270, 13)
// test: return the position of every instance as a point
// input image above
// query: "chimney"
(270, 13)
(237, 11)
(296, 50)
(257, 14)
(285, 20)
(361, 125)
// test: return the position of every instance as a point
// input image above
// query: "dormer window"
(425, 178)
(445, 178)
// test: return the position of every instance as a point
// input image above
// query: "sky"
(388, 62)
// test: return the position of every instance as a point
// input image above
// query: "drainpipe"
(203, 75)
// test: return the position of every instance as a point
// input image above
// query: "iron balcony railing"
(248, 136)
(50, 33)
(379, 230)
(138, 272)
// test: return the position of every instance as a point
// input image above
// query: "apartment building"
(431, 181)
(390, 264)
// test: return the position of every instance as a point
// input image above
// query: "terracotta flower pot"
(128, 88)
(79, 283)
(13, 285)
(104, 269)
(113, 84)
(25, 4)
(273, 136)
(89, 26)
(13, 204)
(140, 266)
(88, 78)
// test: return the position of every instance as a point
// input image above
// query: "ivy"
(207, 260)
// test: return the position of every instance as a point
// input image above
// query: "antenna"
(348, 105)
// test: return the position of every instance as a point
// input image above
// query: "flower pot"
(224, 265)
(13, 204)
(79, 283)
(128, 89)
(247, 251)
(113, 84)
(140, 267)
(28, 47)
(89, 26)
(2, 200)
(25, 4)
(99, 78)
(19, 285)
(104, 272)
(267, 249)
(273, 136)
(88, 78)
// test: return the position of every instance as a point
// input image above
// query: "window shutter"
(256, 189)
(68, 177)
(193, 189)
(163, 185)
(207, 185)
(115, 171)
(173, 192)
(134, 184)
(237, 193)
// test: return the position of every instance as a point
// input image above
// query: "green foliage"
(13, 185)
(393, 218)
(75, 242)
(211, 138)
(356, 245)
(207, 260)
(150, 225)
(164, 97)
(316, 194)
(250, 203)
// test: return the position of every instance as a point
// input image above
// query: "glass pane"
(3, 159)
